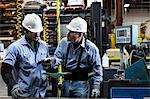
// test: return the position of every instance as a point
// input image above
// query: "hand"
(50, 60)
(47, 62)
(95, 93)
(16, 91)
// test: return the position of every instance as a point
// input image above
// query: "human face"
(34, 36)
(73, 36)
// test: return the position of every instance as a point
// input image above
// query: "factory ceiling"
(138, 3)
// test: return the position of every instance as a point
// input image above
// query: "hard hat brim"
(35, 30)
(72, 29)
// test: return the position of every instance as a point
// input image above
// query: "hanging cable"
(19, 16)
(45, 34)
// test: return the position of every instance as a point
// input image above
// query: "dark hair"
(25, 30)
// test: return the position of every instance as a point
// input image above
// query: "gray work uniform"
(90, 59)
(28, 71)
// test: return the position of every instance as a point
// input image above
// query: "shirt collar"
(83, 42)
(23, 40)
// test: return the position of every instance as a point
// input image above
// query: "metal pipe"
(58, 40)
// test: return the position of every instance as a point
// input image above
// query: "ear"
(26, 31)
(80, 34)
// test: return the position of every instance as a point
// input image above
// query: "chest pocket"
(43, 55)
(26, 57)
(27, 60)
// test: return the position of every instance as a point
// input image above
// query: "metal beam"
(119, 10)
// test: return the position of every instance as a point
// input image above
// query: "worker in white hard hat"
(80, 57)
(21, 69)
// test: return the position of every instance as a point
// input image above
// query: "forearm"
(7, 76)
(97, 79)
(97, 75)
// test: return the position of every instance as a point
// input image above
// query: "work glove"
(47, 62)
(95, 93)
(16, 91)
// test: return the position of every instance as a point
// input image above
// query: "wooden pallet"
(12, 4)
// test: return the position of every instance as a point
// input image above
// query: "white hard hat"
(77, 25)
(33, 23)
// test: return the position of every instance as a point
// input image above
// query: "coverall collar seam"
(24, 42)
(83, 42)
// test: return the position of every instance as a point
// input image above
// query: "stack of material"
(145, 28)
(113, 52)
(35, 4)
(116, 53)
(7, 19)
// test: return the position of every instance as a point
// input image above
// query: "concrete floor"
(3, 88)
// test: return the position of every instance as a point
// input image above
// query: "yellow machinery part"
(45, 35)
(58, 40)
(112, 39)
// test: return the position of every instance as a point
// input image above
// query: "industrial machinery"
(125, 35)
(99, 27)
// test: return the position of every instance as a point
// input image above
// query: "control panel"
(123, 35)
(127, 34)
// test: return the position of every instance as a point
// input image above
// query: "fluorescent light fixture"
(75, 2)
(126, 5)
